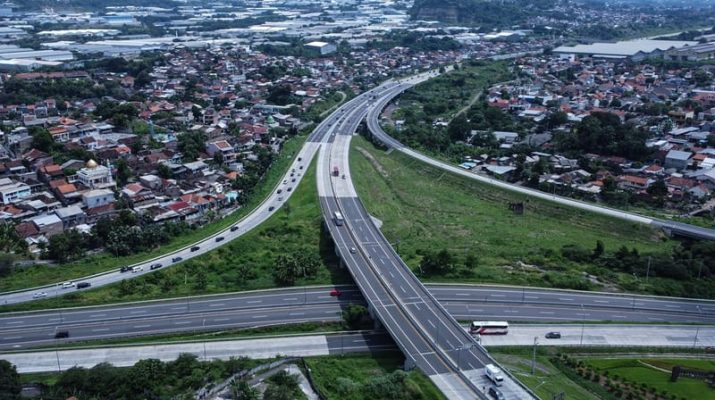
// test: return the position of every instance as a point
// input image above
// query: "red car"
(335, 293)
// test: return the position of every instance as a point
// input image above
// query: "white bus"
(489, 328)
(338, 218)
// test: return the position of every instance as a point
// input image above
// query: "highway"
(268, 207)
(429, 337)
(49, 360)
(671, 227)
(314, 304)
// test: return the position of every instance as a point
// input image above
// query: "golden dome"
(91, 164)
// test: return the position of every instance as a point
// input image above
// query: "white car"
(39, 295)
(67, 285)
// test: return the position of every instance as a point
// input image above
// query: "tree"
(164, 171)
(599, 249)
(286, 270)
(123, 172)
(10, 385)
(354, 315)
(437, 263)
(458, 128)
(201, 279)
(41, 139)
(66, 246)
(243, 391)
(471, 262)
(191, 145)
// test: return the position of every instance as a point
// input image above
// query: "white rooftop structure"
(623, 49)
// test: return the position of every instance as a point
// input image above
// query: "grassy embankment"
(426, 209)
(43, 275)
(655, 374)
(243, 264)
(358, 377)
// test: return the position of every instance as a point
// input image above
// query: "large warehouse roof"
(624, 49)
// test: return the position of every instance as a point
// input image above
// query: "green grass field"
(42, 275)
(547, 379)
(346, 378)
(644, 371)
(424, 208)
(243, 264)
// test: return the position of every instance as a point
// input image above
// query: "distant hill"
(479, 12)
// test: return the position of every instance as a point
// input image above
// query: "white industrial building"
(635, 50)
(322, 47)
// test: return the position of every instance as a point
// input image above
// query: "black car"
(289, 189)
(125, 269)
(293, 180)
(496, 394)
(176, 259)
(83, 285)
(301, 167)
(300, 158)
(234, 228)
(279, 191)
(62, 334)
(195, 248)
(156, 266)
(553, 335)
(220, 238)
(271, 208)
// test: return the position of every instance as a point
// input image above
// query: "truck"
(336, 171)
(494, 374)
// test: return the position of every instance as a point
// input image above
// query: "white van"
(67, 285)
(137, 269)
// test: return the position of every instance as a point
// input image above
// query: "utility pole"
(583, 324)
(533, 357)
(647, 271)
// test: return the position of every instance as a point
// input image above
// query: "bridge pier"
(409, 364)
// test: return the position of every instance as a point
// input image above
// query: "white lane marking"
(565, 299)
(100, 329)
(178, 308)
(97, 315)
(546, 312)
(12, 338)
(295, 314)
(221, 319)
(182, 322)
(254, 301)
(497, 295)
(655, 319)
(137, 312)
(672, 306)
(141, 326)
(259, 316)
(291, 299)
(619, 316)
(530, 297)
(216, 305)
(429, 321)
(15, 322)
(601, 301)
(462, 294)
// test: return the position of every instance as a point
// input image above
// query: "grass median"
(425, 209)
(358, 377)
(43, 275)
(242, 264)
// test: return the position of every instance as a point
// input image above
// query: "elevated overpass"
(427, 334)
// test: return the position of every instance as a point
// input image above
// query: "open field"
(243, 264)
(654, 373)
(358, 377)
(426, 209)
(42, 275)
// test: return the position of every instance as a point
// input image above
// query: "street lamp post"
(583, 323)
(533, 357)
